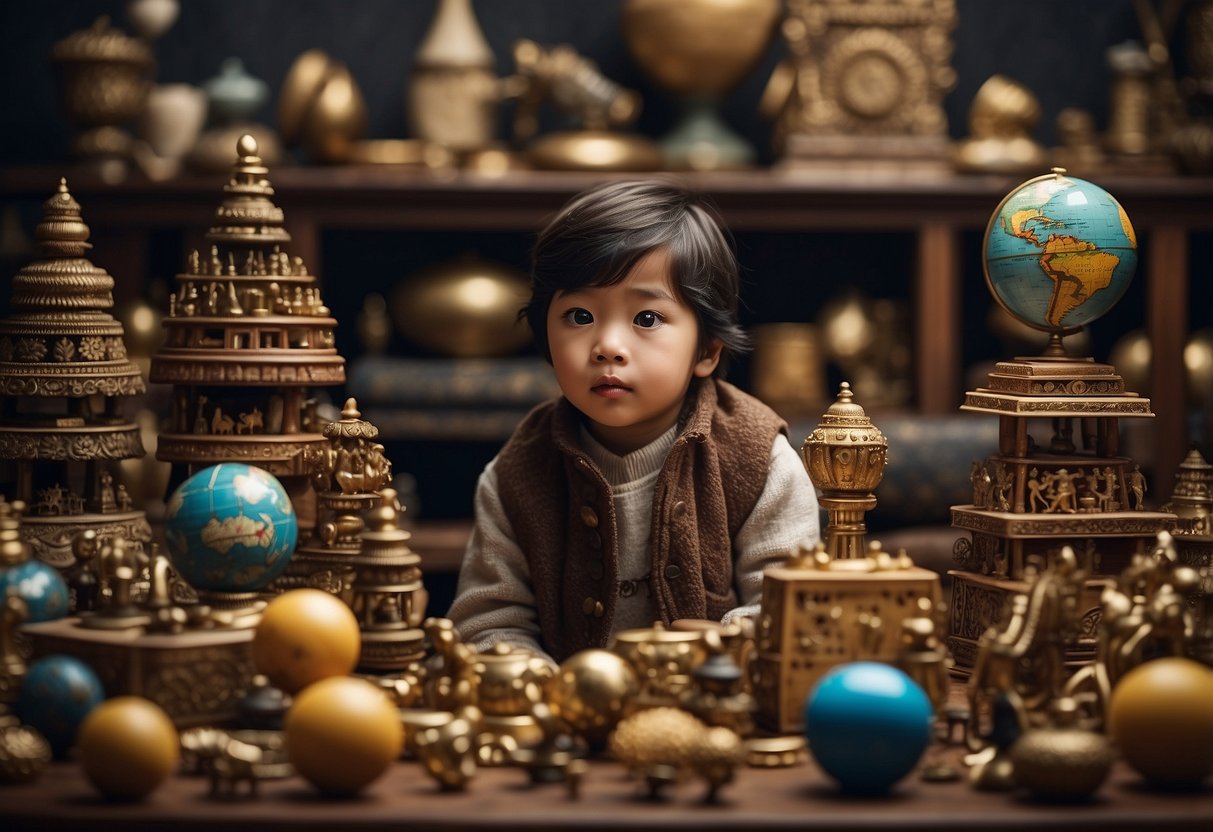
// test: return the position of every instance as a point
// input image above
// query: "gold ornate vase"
(700, 50)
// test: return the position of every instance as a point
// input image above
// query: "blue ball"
(867, 725)
(41, 587)
(230, 528)
(58, 692)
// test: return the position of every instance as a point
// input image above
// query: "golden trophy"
(700, 50)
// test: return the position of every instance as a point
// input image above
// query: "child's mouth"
(610, 391)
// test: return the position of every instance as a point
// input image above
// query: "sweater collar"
(694, 424)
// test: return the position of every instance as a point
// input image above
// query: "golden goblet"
(700, 50)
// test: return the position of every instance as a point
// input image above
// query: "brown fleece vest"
(563, 518)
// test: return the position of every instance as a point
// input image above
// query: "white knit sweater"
(494, 601)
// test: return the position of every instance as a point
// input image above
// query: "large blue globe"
(867, 724)
(230, 528)
(57, 693)
(1059, 252)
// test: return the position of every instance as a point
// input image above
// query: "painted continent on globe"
(1059, 252)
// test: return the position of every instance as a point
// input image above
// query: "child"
(652, 489)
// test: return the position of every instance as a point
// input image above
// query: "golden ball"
(591, 692)
(342, 733)
(128, 746)
(305, 635)
(1161, 720)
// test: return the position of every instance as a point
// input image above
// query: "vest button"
(680, 508)
(672, 571)
(589, 517)
(587, 606)
(599, 609)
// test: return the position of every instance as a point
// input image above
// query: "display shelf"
(937, 210)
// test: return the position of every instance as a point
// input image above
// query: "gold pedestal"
(197, 677)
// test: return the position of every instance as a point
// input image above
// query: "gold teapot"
(663, 659)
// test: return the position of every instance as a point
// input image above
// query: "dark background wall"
(1056, 47)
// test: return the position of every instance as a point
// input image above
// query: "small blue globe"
(867, 725)
(58, 692)
(230, 528)
(41, 587)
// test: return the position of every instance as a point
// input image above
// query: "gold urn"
(845, 456)
(700, 50)
(104, 80)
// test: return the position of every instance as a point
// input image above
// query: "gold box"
(198, 676)
(814, 619)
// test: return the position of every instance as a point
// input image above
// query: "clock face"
(870, 84)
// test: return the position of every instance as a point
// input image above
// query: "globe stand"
(701, 140)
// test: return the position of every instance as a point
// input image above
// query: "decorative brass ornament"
(1062, 761)
(819, 612)
(1001, 120)
(663, 660)
(700, 50)
(511, 682)
(24, 753)
(466, 308)
(64, 372)
(845, 456)
(322, 108)
(591, 692)
(866, 83)
(573, 84)
(453, 92)
(664, 745)
(104, 80)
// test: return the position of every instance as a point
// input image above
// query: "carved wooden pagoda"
(246, 337)
(1057, 479)
(64, 376)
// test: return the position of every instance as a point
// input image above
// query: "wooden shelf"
(937, 209)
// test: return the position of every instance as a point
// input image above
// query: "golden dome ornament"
(845, 456)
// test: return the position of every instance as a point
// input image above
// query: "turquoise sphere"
(41, 587)
(867, 725)
(1059, 252)
(58, 692)
(230, 528)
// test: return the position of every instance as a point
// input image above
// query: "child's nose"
(610, 348)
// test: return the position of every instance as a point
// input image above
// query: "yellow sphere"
(591, 692)
(342, 733)
(305, 635)
(127, 746)
(1161, 720)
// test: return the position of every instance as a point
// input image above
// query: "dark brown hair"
(603, 232)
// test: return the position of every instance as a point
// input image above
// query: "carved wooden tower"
(246, 337)
(64, 375)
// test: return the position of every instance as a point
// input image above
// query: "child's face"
(625, 354)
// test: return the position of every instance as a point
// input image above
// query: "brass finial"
(62, 232)
(845, 456)
(246, 149)
(351, 425)
(13, 550)
(247, 215)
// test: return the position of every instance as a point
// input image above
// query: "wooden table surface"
(406, 799)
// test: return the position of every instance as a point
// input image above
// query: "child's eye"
(647, 319)
(579, 316)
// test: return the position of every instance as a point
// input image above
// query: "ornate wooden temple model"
(1068, 487)
(836, 604)
(371, 569)
(246, 337)
(64, 376)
